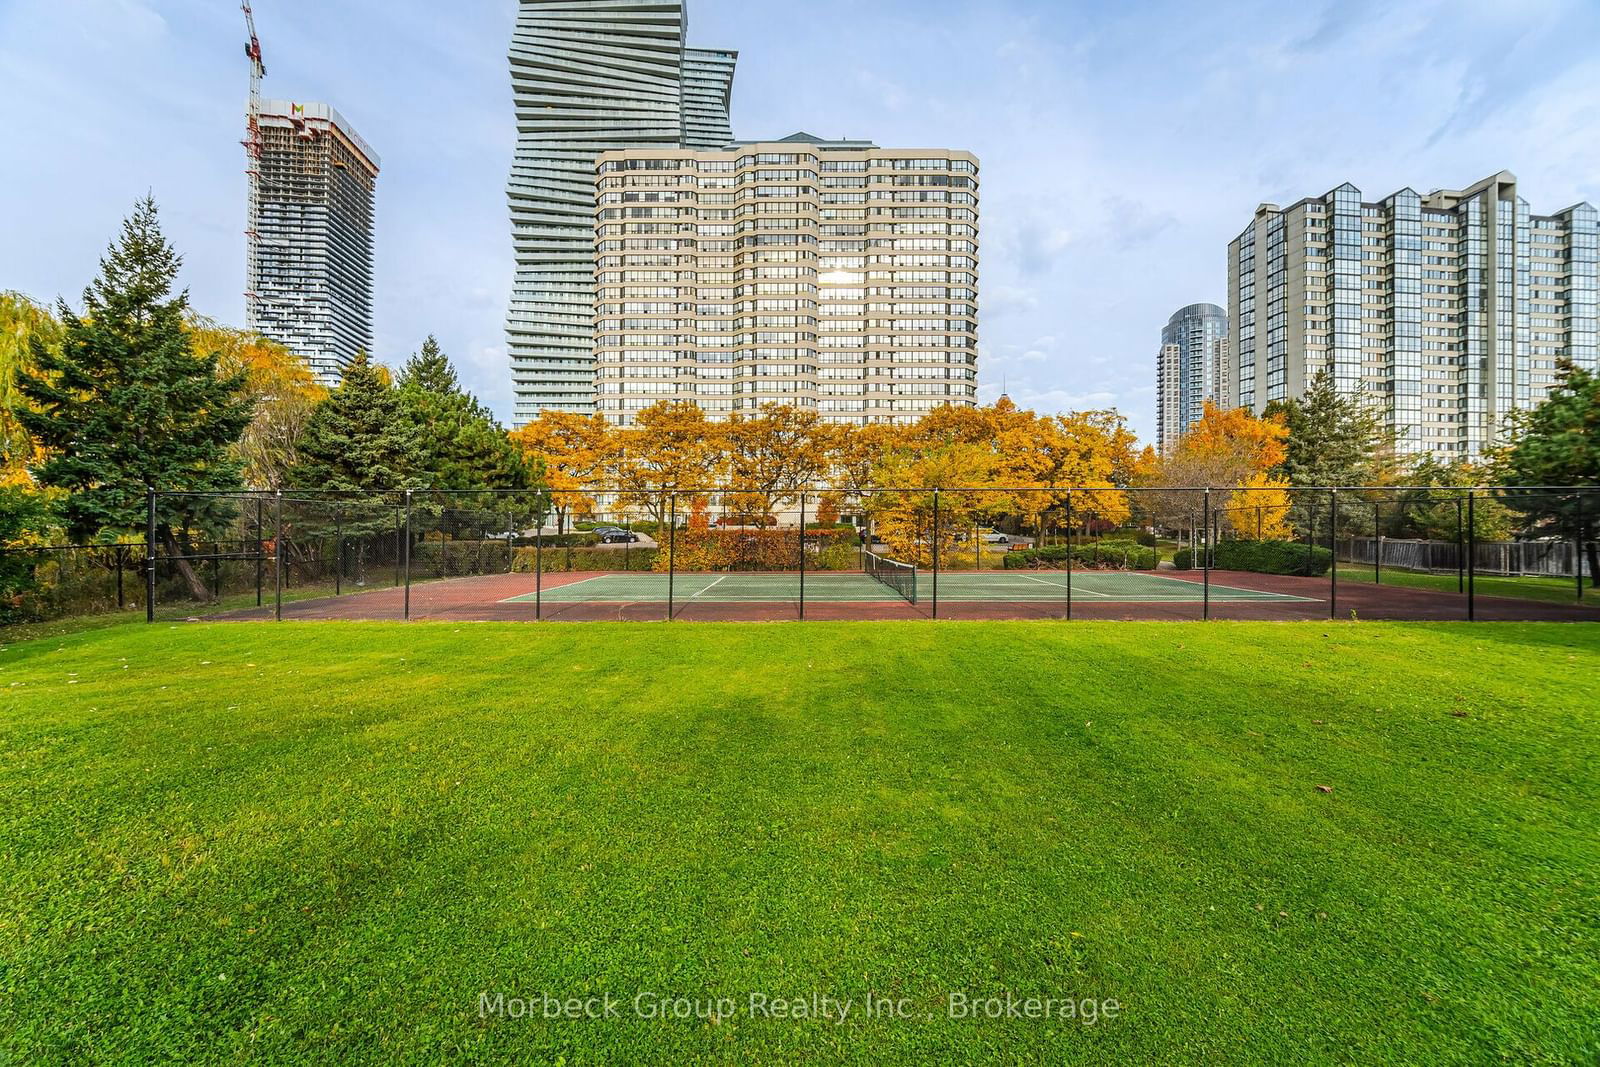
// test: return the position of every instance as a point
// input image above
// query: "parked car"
(995, 537)
(611, 535)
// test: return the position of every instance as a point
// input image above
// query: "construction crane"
(252, 151)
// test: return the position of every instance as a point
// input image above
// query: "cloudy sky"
(1122, 144)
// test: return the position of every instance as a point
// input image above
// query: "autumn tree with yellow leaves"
(576, 452)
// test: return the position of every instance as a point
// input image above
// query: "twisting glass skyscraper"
(588, 76)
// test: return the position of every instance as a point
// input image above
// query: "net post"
(150, 556)
(277, 556)
(1333, 552)
(672, 553)
(935, 553)
(802, 556)
(1205, 559)
(1069, 554)
(1472, 562)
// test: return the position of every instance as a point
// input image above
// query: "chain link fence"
(950, 553)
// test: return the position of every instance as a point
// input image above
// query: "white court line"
(699, 591)
(1076, 591)
(525, 598)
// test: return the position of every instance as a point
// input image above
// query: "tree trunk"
(197, 588)
(1593, 549)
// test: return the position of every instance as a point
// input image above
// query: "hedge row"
(1097, 555)
(1272, 557)
(751, 549)
(1263, 557)
(587, 559)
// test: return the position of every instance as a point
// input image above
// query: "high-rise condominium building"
(588, 76)
(1192, 367)
(1449, 310)
(311, 250)
(830, 275)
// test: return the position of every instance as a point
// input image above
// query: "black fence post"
(122, 551)
(407, 554)
(1461, 551)
(261, 546)
(277, 557)
(1472, 560)
(1377, 545)
(1205, 560)
(150, 556)
(1333, 545)
(672, 553)
(538, 566)
(936, 553)
(802, 556)
(1068, 518)
(1578, 547)
(338, 551)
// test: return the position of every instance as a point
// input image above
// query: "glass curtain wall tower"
(1191, 368)
(1449, 310)
(589, 76)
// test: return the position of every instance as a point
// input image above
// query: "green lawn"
(1554, 590)
(325, 841)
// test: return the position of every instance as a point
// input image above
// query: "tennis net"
(901, 577)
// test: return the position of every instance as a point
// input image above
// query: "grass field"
(1530, 587)
(326, 841)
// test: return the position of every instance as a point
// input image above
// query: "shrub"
(1183, 559)
(1097, 555)
(1146, 538)
(750, 549)
(1272, 557)
(587, 559)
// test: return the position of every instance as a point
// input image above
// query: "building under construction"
(311, 240)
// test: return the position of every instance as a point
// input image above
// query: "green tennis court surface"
(823, 586)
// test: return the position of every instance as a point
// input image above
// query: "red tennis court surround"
(772, 596)
(1026, 553)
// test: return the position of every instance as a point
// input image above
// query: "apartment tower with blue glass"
(1192, 367)
(1448, 310)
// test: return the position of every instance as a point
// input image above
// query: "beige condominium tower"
(1450, 310)
(830, 275)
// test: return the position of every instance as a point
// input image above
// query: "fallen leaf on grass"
(1324, 788)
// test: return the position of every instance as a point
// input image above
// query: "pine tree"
(355, 439)
(1334, 438)
(1558, 444)
(456, 441)
(125, 405)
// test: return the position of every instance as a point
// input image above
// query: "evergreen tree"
(355, 440)
(456, 441)
(1334, 438)
(1558, 444)
(124, 404)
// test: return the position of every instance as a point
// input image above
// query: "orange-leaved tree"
(283, 390)
(575, 451)
(774, 455)
(1228, 448)
(670, 446)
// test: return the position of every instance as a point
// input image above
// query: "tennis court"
(842, 588)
